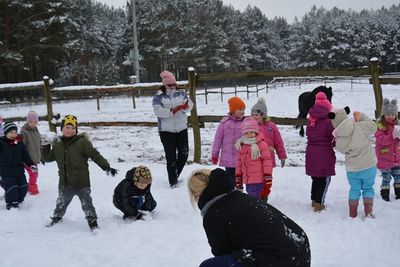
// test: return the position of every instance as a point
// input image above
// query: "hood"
(345, 128)
(319, 112)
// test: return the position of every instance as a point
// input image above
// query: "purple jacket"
(320, 157)
(387, 148)
(228, 132)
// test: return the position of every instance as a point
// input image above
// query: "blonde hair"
(198, 181)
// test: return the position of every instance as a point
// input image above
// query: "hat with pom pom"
(322, 100)
(389, 107)
(167, 77)
(260, 107)
(250, 125)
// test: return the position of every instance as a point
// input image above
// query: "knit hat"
(69, 119)
(322, 100)
(8, 127)
(389, 107)
(250, 125)
(140, 174)
(235, 103)
(338, 116)
(260, 107)
(167, 77)
(32, 116)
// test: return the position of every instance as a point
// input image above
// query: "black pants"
(232, 172)
(175, 142)
(319, 188)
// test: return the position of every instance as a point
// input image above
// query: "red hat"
(250, 125)
(167, 77)
(235, 103)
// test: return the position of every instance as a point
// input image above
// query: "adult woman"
(244, 231)
(170, 106)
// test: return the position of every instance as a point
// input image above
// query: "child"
(254, 164)
(352, 140)
(387, 148)
(132, 195)
(242, 230)
(72, 152)
(32, 140)
(269, 130)
(13, 156)
(320, 157)
(228, 132)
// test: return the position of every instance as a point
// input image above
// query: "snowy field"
(174, 235)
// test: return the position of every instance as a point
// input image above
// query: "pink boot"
(368, 203)
(33, 188)
(353, 205)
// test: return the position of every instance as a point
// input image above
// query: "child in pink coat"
(254, 164)
(228, 132)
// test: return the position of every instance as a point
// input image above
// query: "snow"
(174, 236)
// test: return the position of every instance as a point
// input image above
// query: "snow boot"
(53, 221)
(368, 204)
(92, 222)
(33, 189)
(312, 203)
(353, 205)
(385, 192)
(397, 190)
(318, 207)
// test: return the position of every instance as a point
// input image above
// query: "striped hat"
(8, 127)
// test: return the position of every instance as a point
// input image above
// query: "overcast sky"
(291, 8)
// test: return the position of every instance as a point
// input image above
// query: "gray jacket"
(163, 103)
(32, 140)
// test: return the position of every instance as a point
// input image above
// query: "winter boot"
(53, 221)
(92, 223)
(353, 205)
(33, 189)
(385, 192)
(397, 190)
(368, 203)
(312, 203)
(318, 207)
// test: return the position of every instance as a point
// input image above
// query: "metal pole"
(135, 41)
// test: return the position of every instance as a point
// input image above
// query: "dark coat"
(249, 229)
(12, 157)
(123, 194)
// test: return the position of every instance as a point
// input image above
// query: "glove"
(112, 171)
(283, 161)
(396, 132)
(239, 183)
(177, 108)
(186, 105)
(267, 187)
(33, 168)
(43, 162)
(214, 160)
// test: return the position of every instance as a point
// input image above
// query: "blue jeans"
(361, 181)
(221, 261)
(387, 176)
(140, 203)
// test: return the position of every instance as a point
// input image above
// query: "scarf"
(255, 150)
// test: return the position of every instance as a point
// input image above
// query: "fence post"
(206, 94)
(247, 91)
(133, 97)
(193, 116)
(222, 95)
(235, 89)
(266, 87)
(376, 83)
(98, 99)
(49, 103)
(257, 90)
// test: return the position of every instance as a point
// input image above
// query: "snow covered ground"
(174, 235)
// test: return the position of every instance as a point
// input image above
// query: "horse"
(307, 100)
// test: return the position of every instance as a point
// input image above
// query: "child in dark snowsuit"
(132, 195)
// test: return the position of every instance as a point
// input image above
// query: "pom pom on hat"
(167, 77)
(389, 107)
(260, 107)
(32, 116)
(8, 127)
(250, 125)
(235, 103)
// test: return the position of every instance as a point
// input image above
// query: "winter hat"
(250, 125)
(141, 174)
(69, 119)
(389, 107)
(167, 77)
(235, 103)
(32, 116)
(322, 100)
(260, 107)
(8, 127)
(338, 116)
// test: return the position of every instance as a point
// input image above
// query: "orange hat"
(235, 103)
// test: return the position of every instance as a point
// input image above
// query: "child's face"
(390, 117)
(238, 113)
(257, 117)
(68, 130)
(250, 134)
(32, 124)
(12, 135)
(141, 185)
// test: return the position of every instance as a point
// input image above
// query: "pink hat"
(167, 77)
(322, 100)
(32, 116)
(250, 125)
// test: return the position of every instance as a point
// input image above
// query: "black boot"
(385, 194)
(92, 223)
(53, 221)
(397, 191)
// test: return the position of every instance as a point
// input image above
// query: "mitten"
(112, 171)
(239, 183)
(214, 160)
(267, 187)
(186, 105)
(177, 108)
(283, 162)
(396, 132)
(33, 168)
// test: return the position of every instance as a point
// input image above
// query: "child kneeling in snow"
(132, 195)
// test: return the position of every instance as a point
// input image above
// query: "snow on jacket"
(32, 140)
(320, 156)
(12, 157)
(274, 140)
(163, 103)
(253, 232)
(72, 155)
(254, 171)
(387, 148)
(352, 139)
(228, 132)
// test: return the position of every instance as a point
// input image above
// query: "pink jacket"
(253, 171)
(228, 132)
(274, 140)
(387, 149)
